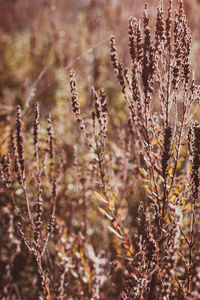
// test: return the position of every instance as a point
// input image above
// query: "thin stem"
(27, 203)
(168, 90)
(178, 152)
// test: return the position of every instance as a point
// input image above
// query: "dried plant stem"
(27, 204)
(178, 154)
(20, 152)
(39, 204)
(168, 89)
(195, 151)
(191, 243)
(101, 170)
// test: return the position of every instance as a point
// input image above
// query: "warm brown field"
(99, 150)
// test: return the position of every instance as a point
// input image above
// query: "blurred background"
(41, 40)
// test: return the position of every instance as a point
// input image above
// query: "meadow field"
(99, 149)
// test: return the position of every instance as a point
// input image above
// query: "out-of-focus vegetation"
(40, 42)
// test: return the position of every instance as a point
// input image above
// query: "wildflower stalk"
(195, 191)
(20, 158)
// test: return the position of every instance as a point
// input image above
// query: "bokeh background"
(40, 42)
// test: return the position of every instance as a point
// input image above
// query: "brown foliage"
(104, 202)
